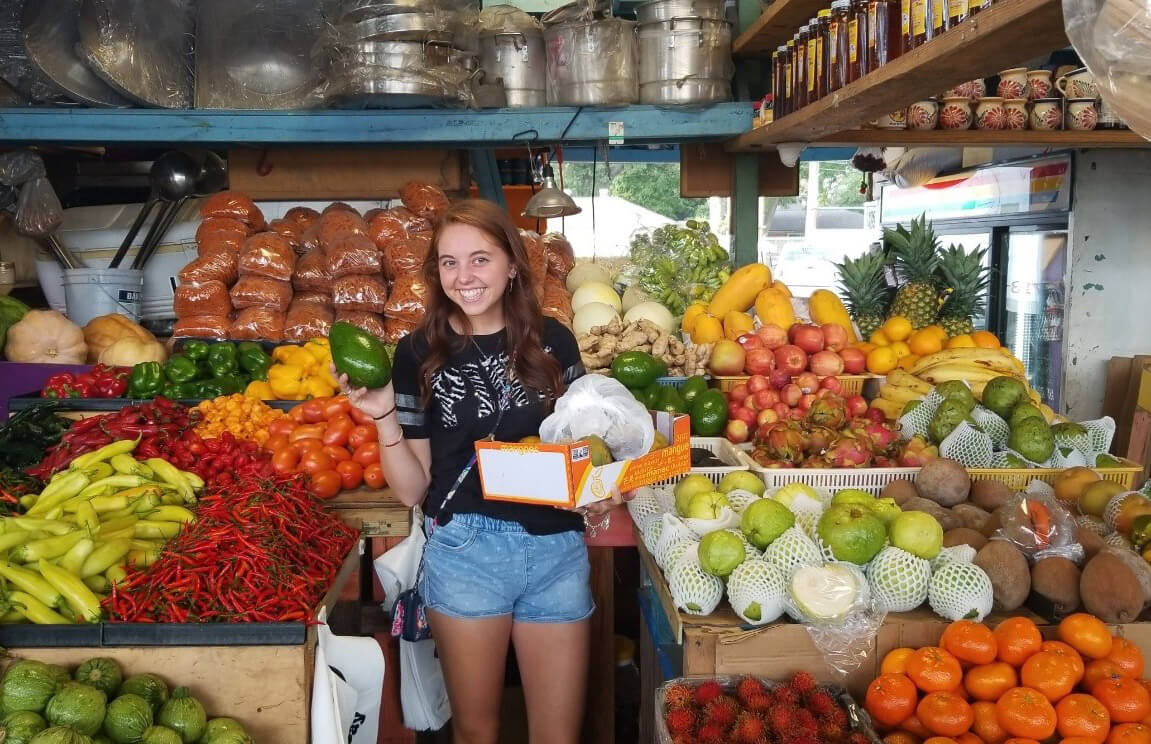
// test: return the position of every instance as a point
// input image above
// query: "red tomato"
(351, 474)
(325, 483)
(362, 434)
(314, 462)
(336, 405)
(367, 454)
(304, 446)
(307, 431)
(360, 417)
(339, 429)
(374, 476)
(338, 454)
(276, 442)
(313, 411)
(281, 426)
(284, 461)
(297, 414)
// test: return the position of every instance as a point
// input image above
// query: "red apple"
(781, 409)
(791, 359)
(807, 337)
(876, 415)
(823, 393)
(749, 402)
(749, 341)
(766, 399)
(797, 414)
(732, 407)
(854, 360)
(736, 431)
(739, 392)
(806, 401)
(856, 405)
(759, 362)
(808, 382)
(746, 415)
(826, 363)
(832, 384)
(767, 416)
(779, 378)
(834, 336)
(726, 358)
(755, 383)
(790, 394)
(772, 336)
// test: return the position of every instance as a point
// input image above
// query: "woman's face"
(474, 272)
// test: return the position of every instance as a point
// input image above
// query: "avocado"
(671, 401)
(635, 369)
(693, 387)
(708, 414)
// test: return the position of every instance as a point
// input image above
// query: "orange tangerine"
(882, 360)
(908, 362)
(924, 342)
(897, 328)
(879, 338)
(937, 330)
(986, 340)
(962, 341)
(866, 347)
(901, 349)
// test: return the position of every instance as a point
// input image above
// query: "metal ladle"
(213, 177)
(167, 177)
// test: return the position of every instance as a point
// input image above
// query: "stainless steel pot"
(399, 55)
(685, 60)
(358, 10)
(656, 11)
(592, 63)
(395, 27)
(518, 59)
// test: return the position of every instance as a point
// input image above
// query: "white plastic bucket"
(90, 293)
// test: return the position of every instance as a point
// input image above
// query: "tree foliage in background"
(654, 186)
(838, 186)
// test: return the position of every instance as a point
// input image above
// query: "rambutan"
(678, 695)
(679, 721)
(821, 703)
(758, 703)
(857, 737)
(707, 692)
(722, 710)
(781, 719)
(805, 723)
(688, 738)
(712, 733)
(749, 729)
(748, 687)
(803, 683)
(829, 732)
(785, 695)
(837, 717)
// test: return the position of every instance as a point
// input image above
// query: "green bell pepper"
(179, 369)
(195, 350)
(222, 359)
(201, 389)
(146, 380)
(171, 391)
(231, 384)
(253, 359)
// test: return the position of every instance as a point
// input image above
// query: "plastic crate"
(677, 382)
(722, 449)
(850, 384)
(871, 480)
(1018, 478)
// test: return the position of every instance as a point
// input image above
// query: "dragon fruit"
(829, 411)
(782, 441)
(916, 452)
(819, 438)
(848, 452)
(881, 437)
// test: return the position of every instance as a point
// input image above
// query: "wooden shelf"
(1001, 37)
(975, 138)
(778, 23)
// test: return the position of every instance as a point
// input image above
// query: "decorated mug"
(1047, 114)
(1038, 84)
(1015, 113)
(1079, 83)
(955, 113)
(971, 89)
(895, 120)
(923, 114)
(1013, 83)
(990, 114)
(1082, 115)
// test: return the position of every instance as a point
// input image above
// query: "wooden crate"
(375, 512)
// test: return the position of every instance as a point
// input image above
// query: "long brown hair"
(523, 321)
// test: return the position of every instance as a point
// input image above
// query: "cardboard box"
(562, 474)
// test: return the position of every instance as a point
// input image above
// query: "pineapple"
(967, 278)
(915, 255)
(863, 286)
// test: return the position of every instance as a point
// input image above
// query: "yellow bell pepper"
(295, 355)
(260, 390)
(286, 381)
(320, 348)
(317, 387)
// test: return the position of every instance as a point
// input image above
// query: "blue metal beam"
(459, 127)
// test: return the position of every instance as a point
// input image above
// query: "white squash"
(596, 292)
(652, 311)
(591, 315)
(46, 337)
(633, 296)
(587, 272)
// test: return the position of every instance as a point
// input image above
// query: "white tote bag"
(347, 689)
(423, 696)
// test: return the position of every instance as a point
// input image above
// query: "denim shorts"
(477, 566)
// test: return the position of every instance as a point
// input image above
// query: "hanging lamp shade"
(549, 202)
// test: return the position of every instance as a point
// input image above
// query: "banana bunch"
(899, 389)
(974, 366)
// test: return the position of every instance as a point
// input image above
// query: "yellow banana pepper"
(260, 390)
(286, 381)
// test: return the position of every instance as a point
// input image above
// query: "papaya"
(707, 329)
(826, 307)
(735, 324)
(773, 306)
(739, 292)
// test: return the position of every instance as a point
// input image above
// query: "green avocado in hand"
(359, 355)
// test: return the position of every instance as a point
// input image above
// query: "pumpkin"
(128, 352)
(46, 337)
(105, 330)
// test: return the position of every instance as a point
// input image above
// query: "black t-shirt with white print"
(464, 407)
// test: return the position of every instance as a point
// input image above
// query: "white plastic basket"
(871, 480)
(722, 449)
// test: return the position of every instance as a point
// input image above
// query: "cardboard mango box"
(562, 474)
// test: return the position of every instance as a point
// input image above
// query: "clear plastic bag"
(406, 256)
(310, 239)
(202, 326)
(219, 267)
(311, 272)
(257, 324)
(305, 217)
(236, 205)
(360, 292)
(339, 206)
(320, 298)
(424, 199)
(38, 210)
(225, 225)
(557, 302)
(268, 254)
(1040, 527)
(209, 298)
(307, 320)
(396, 328)
(260, 291)
(290, 230)
(371, 214)
(537, 256)
(372, 323)
(20, 166)
(560, 256)
(353, 253)
(337, 224)
(222, 242)
(408, 298)
(599, 405)
(393, 224)
(507, 19)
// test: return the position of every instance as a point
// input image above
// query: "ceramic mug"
(990, 114)
(1077, 84)
(1015, 113)
(1013, 83)
(955, 113)
(971, 89)
(1082, 115)
(923, 114)
(1047, 114)
(1038, 84)
(894, 120)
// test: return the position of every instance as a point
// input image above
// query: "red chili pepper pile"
(261, 551)
(100, 382)
(222, 461)
(158, 425)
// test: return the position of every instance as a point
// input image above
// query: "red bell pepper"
(110, 382)
(63, 385)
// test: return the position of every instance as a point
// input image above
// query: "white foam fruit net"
(1067, 457)
(954, 554)
(741, 499)
(677, 550)
(992, 425)
(756, 591)
(791, 550)
(652, 529)
(693, 590)
(960, 591)
(749, 550)
(968, 446)
(1116, 540)
(807, 513)
(727, 519)
(916, 421)
(1100, 432)
(673, 531)
(899, 580)
(1115, 505)
(1095, 524)
(643, 505)
(665, 497)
